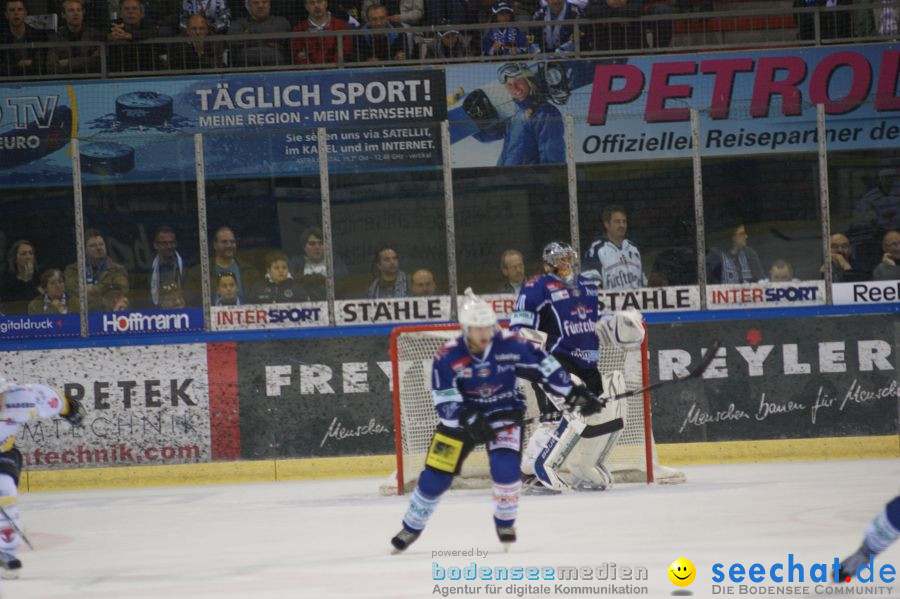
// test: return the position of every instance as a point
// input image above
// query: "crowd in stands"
(869, 249)
(522, 27)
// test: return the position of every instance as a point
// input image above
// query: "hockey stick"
(12, 523)
(697, 371)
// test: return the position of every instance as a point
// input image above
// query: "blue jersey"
(568, 315)
(509, 37)
(487, 383)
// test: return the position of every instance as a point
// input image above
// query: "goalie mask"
(560, 259)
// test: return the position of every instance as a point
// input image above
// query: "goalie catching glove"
(581, 400)
(477, 426)
(624, 329)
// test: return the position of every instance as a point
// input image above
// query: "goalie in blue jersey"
(475, 396)
(560, 310)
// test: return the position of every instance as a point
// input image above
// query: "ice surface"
(331, 538)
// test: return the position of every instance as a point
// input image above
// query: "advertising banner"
(868, 292)
(143, 404)
(776, 379)
(37, 326)
(400, 310)
(750, 102)
(142, 129)
(315, 397)
(146, 322)
(765, 295)
(274, 316)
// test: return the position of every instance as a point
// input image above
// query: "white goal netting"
(413, 350)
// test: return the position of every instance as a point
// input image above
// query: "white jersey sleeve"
(614, 267)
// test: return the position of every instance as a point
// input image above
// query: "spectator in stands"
(880, 206)
(171, 297)
(833, 24)
(278, 286)
(310, 266)
(889, 269)
(399, 12)
(382, 46)
(321, 50)
(843, 270)
(194, 53)
(22, 61)
(74, 59)
(612, 260)
(216, 12)
(389, 281)
(887, 19)
(262, 52)
(512, 265)
(534, 133)
(450, 44)
(114, 298)
(422, 283)
(168, 266)
(556, 38)
(780, 272)
(616, 36)
(503, 39)
(126, 53)
(52, 298)
(19, 283)
(227, 290)
(100, 271)
(734, 261)
(225, 261)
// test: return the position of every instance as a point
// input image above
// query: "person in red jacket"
(320, 50)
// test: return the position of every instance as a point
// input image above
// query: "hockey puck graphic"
(106, 158)
(144, 108)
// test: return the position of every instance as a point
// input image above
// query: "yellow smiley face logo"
(682, 572)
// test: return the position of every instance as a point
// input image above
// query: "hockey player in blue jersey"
(560, 311)
(880, 534)
(475, 396)
(534, 134)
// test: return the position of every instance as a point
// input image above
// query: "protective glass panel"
(865, 215)
(140, 219)
(266, 254)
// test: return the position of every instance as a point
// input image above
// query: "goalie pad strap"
(605, 428)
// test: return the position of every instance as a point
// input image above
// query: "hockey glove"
(581, 400)
(75, 415)
(477, 426)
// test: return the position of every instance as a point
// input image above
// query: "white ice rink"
(330, 538)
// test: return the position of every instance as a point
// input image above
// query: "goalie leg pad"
(560, 445)
(536, 444)
(597, 440)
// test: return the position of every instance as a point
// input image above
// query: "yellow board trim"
(676, 454)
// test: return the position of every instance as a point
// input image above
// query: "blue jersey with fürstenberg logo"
(461, 380)
(568, 315)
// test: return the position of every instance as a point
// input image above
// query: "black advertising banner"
(315, 397)
(777, 379)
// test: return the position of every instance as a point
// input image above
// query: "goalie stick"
(12, 523)
(698, 371)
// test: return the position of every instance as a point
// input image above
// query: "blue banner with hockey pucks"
(141, 130)
(146, 322)
(754, 102)
(39, 326)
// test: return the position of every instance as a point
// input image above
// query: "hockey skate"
(507, 536)
(9, 566)
(852, 563)
(404, 539)
(531, 485)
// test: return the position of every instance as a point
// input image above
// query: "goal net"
(412, 352)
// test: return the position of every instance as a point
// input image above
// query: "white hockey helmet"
(475, 312)
(562, 259)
